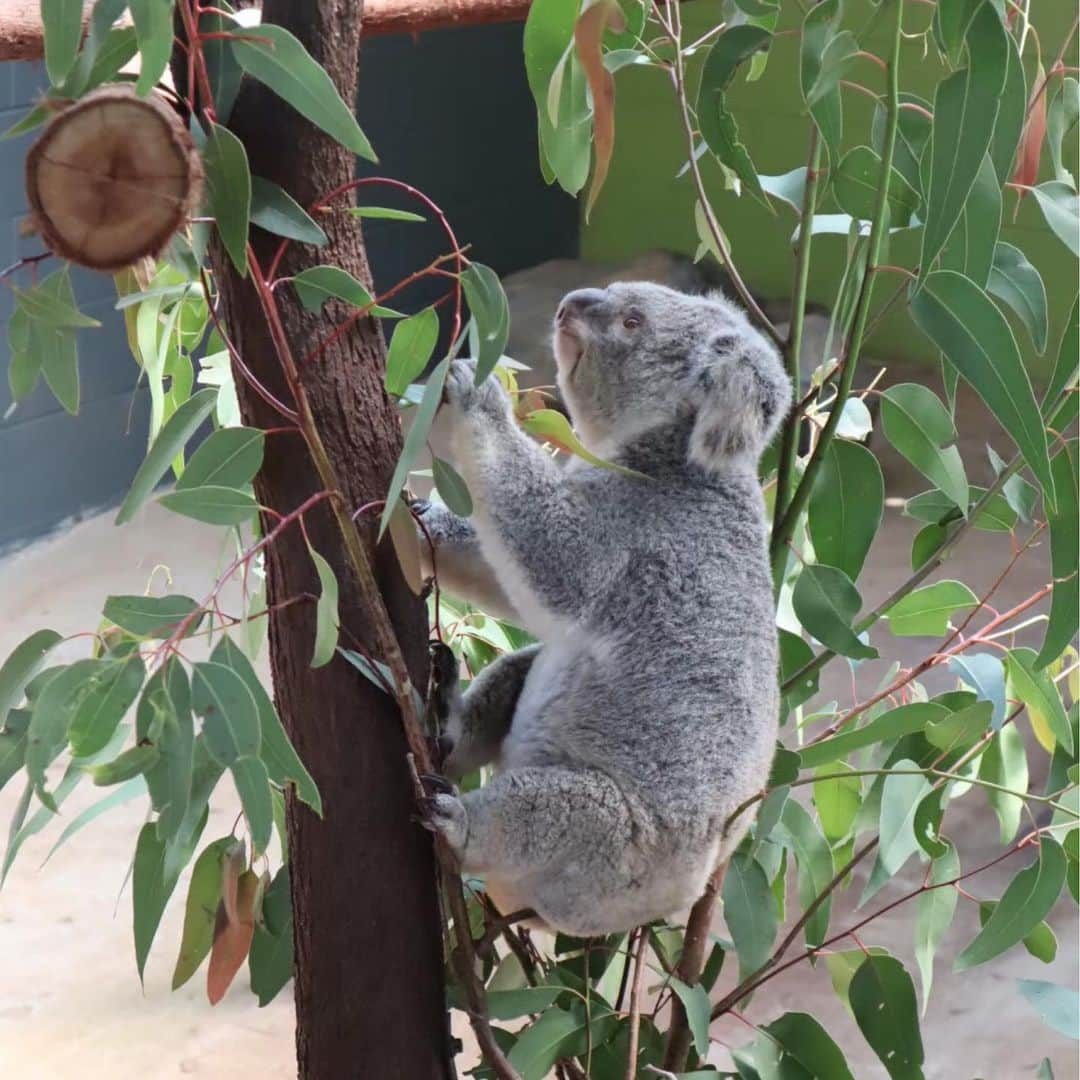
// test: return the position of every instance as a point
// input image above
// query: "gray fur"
(650, 711)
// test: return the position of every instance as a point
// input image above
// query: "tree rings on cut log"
(112, 178)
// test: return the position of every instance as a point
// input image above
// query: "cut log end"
(112, 178)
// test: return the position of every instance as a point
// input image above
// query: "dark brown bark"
(369, 973)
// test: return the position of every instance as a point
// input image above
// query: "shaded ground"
(70, 1001)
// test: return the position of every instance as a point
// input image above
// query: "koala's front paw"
(445, 814)
(462, 394)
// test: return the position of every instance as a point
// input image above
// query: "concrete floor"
(70, 1000)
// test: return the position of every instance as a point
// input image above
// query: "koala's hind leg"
(566, 842)
(480, 719)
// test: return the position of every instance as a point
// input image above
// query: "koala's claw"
(444, 814)
(437, 785)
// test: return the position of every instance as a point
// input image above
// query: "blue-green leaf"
(62, 25)
(154, 32)
(934, 910)
(451, 487)
(965, 107)
(1059, 1006)
(229, 458)
(1061, 208)
(490, 313)
(750, 912)
(22, 665)
(920, 427)
(411, 346)
(318, 284)
(1064, 544)
(1014, 280)
(152, 616)
(926, 612)
(882, 997)
(278, 60)
(276, 211)
(172, 438)
(230, 719)
(228, 187)
(826, 602)
(253, 786)
(212, 504)
(327, 622)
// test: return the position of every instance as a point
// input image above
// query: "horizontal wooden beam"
(21, 36)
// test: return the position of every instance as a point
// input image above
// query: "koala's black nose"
(578, 302)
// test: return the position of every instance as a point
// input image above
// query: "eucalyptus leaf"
(327, 620)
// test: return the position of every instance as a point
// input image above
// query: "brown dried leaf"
(1031, 141)
(232, 936)
(406, 546)
(588, 38)
(231, 868)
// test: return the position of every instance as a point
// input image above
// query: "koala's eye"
(632, 322)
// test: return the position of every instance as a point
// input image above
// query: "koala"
(648, 710)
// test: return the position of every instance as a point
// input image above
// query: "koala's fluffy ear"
(744, 395)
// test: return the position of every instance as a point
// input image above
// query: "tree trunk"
(369, 967)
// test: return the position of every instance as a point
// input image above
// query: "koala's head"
(637, 356)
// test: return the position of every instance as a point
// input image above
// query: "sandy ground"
(70, 999)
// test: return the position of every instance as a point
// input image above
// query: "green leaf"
(113, 691)
(62, 24)
(270, 960)
(170, 441)
(415, 438)
(811, 849)
(150, 891)
(490, 315)
(204, 894)
(1064, 544)
(318, 284)
(1015, 281)
(965, 108)
(1068, 358)
(750, 911)
(451, 487)
(565, 146)
(1061, 208)
(1004, 762)
(951, 21)
(327, 621)
(882, 997)
(789, 187)
(52, 302)
(894, 724)
(795, 654)
(717, 125)
(230, 718)
(935, 506)
(962, 728)
(24, 368)
(131, 763)
(1061, 118)
(926, 612)
(934, 910)
(278, 60)
(900, 798)
(277, 753)
(276, 211)
(805, 1040)
(212, 504)
(205, 775)
(411, 347)
(1037, 691)
(253, 786)
(970, 248)
(855, 186)
(920, 427)
(22, 665)
(224, 73)
(1040, 943)
(133, 789)
(384, 212)
(845, 506)
(826, 602)
(52, 714)
(821, 64)
(1059, 1006)
(510, 1004)
(559, 1034)
(1025, 903)
(976, 339)
(1012, 110)
(228, 458)
(837, 799)
(152, 616)
(228, 188)
(696, 1003)
(154, 32)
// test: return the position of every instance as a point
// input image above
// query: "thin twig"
(635, 1005)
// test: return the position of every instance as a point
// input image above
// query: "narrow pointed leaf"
(230, 718)
(276, 211)
(327, 622)
(204, 894)
(152, 616)
(230, 457)
(934, 911)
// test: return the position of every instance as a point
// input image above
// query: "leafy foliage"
(890, 765)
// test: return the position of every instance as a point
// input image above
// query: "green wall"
(644, 205)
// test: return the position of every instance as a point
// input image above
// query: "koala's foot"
(443, 812)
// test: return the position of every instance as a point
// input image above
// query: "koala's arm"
(533, 526)
(460, 564)
(480, 719)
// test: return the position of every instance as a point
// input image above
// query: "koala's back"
(668, 683)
